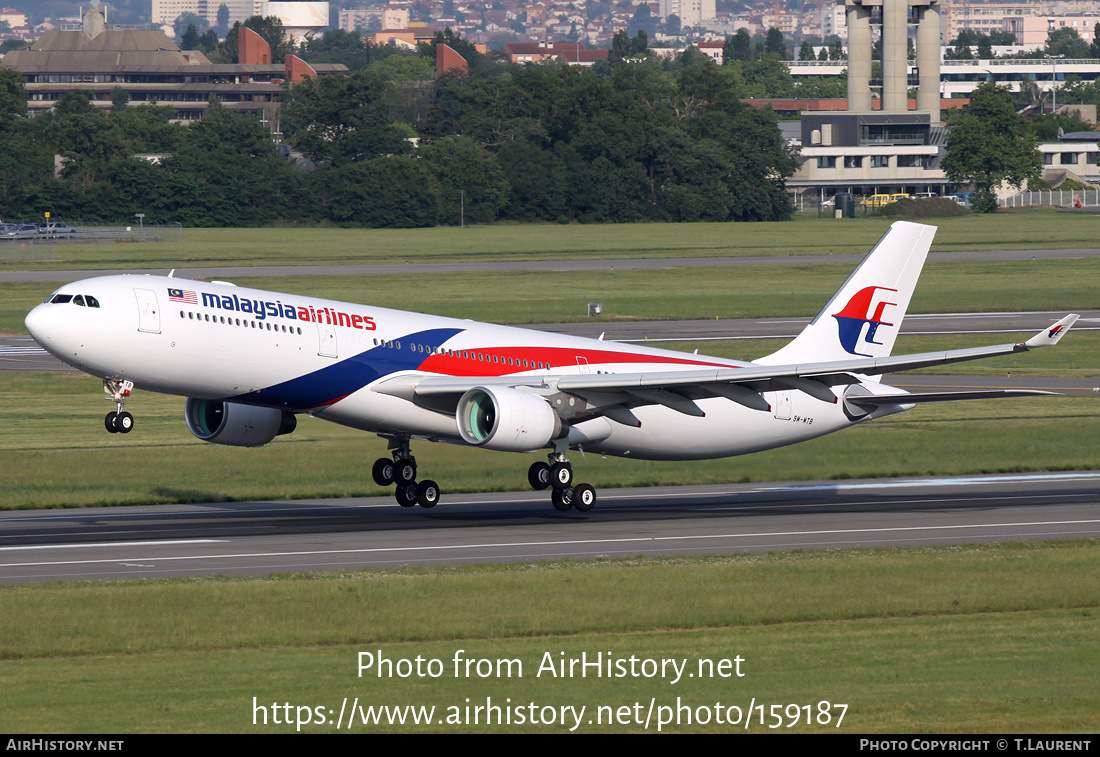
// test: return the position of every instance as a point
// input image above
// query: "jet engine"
(236, 424)
(506, 419)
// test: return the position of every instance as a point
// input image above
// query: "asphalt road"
(251, 538)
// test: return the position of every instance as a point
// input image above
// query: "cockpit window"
(79, 300)
(90, 301)
(59, 298)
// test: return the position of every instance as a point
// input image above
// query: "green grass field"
(524, 297)
(56, 454)
(1014, 229)
(968, 639)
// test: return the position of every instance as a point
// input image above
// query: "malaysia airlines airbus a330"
(248, 361)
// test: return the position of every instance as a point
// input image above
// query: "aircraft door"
(148, 311)
(326, 334)
(781, 405)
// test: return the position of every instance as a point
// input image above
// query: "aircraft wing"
(612, 394)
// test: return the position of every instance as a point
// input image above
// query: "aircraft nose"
(41, 324)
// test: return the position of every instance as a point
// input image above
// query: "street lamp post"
(1053, 81)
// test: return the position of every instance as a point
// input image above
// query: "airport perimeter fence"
(44, 246)
(1061, 198)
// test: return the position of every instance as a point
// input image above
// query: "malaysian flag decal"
(183, 295)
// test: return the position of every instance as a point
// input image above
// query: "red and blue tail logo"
(1058, 329)
(856, 314)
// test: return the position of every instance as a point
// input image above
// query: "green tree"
(1066, 42)
(222, 25)
(13, 97)
(988, 144)
(82, 135)
(120, 98)
(148, 128)
(26, 162)
(472, 185)
(349, 48)
(342, 118)
(228, 172)
(1046, 126)
(644, 21)
(806, 51)
(410, 84)
(179, 27)
(270, 28)
(391, 192)
(461, 46)
(774, 44)
(190, 38)
(208, 41)
(624, 46)
(737, 47)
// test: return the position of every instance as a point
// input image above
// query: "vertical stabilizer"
(864, 317)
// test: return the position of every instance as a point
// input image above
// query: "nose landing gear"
(118, 421)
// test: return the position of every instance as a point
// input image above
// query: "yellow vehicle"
(877, 201)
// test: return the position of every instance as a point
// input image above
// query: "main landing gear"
(118, 421)
(401, 470)
(557, 473)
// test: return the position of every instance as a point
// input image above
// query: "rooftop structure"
(151, 68)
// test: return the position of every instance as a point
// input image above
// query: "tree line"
(391, 146)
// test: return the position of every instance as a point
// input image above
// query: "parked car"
(881, 200)
(55, 230)
(20, 231)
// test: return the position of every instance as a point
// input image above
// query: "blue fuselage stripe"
(328, 384)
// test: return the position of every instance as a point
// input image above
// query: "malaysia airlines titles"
(262, 309)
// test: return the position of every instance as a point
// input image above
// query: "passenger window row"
(246, 323)
(479, 356)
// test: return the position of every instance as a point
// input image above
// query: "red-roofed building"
(447, 59)
(572, 53)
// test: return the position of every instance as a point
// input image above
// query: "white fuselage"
(303, 354)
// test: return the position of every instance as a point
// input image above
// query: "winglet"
(1050, 336)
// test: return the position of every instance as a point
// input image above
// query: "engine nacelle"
(506, 419)
(236, 424)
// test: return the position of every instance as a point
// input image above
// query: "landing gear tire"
(562, 498)
(427, 494)
(584, 497)
(538, 475)
(124, 422)
(406, 494)
(109, 422)
(561, 475)
(404, 472)
(383, 471)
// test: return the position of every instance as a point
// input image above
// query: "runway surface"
(251, 538)
(592, 264)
